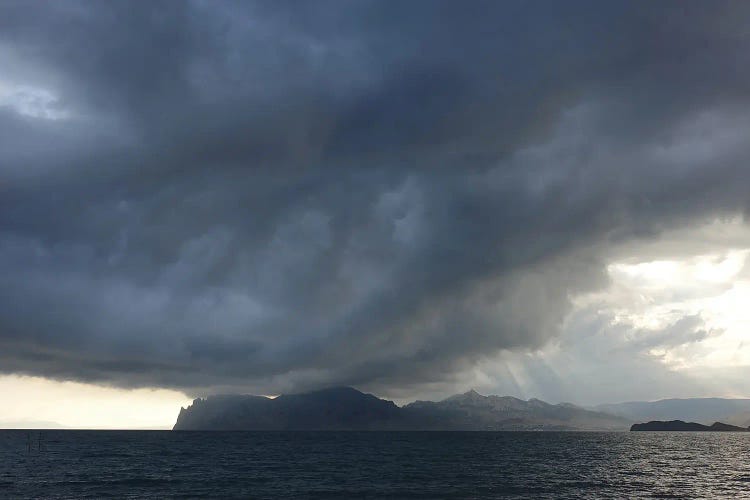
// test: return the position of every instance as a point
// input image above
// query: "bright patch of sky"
(40, 402)
(32, 101)
(673, 321)
(714, 287)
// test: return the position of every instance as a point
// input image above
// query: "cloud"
(267, 197)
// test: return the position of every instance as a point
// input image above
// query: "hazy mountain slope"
(348, 409)
(472, 411)
(30, 424)
(742, 419)
(702, 410)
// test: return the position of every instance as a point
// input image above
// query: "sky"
(541, 199)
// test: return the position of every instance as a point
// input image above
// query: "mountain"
(679, 425)
(702, 410)
(340, 408)
(472, 411)
(344, 408)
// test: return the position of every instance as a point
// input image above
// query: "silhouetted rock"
(679, 425)
(341, 408)
(345, 408)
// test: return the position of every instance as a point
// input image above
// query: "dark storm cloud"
(279, 195)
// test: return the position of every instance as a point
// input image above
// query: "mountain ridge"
(345, 408)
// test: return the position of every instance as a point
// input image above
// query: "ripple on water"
(80, 464)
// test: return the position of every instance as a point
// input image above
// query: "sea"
(354, 465)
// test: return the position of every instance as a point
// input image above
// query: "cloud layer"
(274, 196)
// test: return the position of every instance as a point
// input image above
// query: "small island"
(679, 425)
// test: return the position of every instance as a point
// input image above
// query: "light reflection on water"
(142, 464)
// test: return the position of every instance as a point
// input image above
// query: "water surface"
(164, 464)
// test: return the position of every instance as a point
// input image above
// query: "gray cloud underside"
(276, 196)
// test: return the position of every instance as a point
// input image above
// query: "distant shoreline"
(682, 426)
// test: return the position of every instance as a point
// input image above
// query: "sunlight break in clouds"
(672, 321)
(713, 288)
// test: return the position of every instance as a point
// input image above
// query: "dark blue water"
(143, 464)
